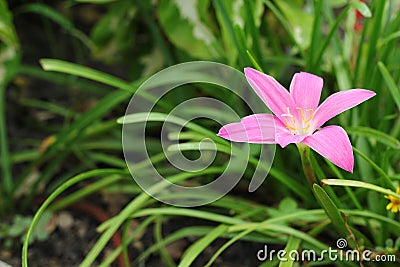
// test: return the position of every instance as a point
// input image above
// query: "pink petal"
(305, 89)
(257, 128)
(339, 102)
(274, 95)
(285, 138)
(333, 143)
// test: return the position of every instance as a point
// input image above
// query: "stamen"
(288, 114)
(301, 113)
(290, 127)
(311, 116)
(302, 127)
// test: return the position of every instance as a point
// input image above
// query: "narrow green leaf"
(338, 218)
(138, 230)
(242, 42)
(330, 209)
(50, 13)
(85, 191)
(290, 231)
(385, 177)
(9, 61)
(360, 185)
(375, 135)
(251, 21)
(194, 250)
(285, 25)
(228, 27)
(362, 8)
(109, 160)
(254, 61)
(85, 72)
(54, 108)
(350, 193)
(156, 116)
(7, 32)
(393, 88)
(389, 38)
(316, 33)
(70, 133)
(375, 33)
(292, 244)
(61, 79)
(329, 36)
(316, 215)
(392, 223)
(226, 245)
(62, 188)
(190, 232)
(199, 214)
(95, 75)
(157, 232)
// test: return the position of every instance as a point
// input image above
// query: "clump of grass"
(274, 36)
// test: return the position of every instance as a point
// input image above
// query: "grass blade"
(393, 88)
(360, 185)
(292, 244)
(330, 209)
(56, 17)
(85, 72)
(54, 195)
(385, 177)
(254, 61)
(194, 250)
(226, 245)
(375, 135)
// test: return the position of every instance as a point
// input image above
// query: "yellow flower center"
(302, 126)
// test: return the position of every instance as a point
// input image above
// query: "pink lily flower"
(298, 117)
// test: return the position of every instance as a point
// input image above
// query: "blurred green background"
(68, 70)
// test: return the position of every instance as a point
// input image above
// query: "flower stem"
(306, 162)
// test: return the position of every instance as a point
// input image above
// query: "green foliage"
(292, 244)
(47, 12)
(9, 59)
(331, 211)
(103, 59)
(183, 22)
(286, 206)
(20, 224)
(114, 34)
